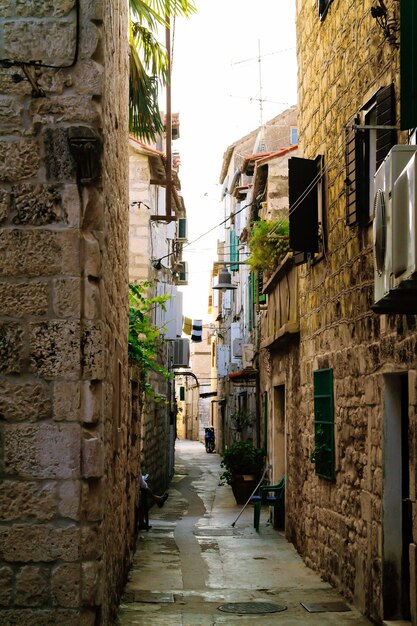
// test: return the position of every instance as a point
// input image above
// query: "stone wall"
(339, 526)
(67, 475)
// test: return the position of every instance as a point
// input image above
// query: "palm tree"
(149, 64)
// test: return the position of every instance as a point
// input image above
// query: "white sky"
(216, 90)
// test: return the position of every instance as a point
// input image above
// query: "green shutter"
(408, 64)
(182, 394)
(265, 407)
(250, 301)
(234, 250)
(261, 296)
(324, 424)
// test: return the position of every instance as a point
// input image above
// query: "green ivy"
(144, 340)
(269, 243)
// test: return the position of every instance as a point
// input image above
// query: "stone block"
(70, 499)
(6, 586)
(11, 348)
(66, 297)
(5, 203)
(24, 402)
(92, 458)
(91, 543)
(42, 451)
(42, 543)
(52, 42)
(37, 205)
(91, 584)
(66, 401)
(59, 162)
(54, 349)
(93, 216)
(31, 586)
(23, 299)
(91, 256)
(27, 501)
(72, 205)
(91, 300)
(65, 585)
(44, 8)
(11, 120)
(43, 617)
(92, 500)
(88, 77)
(91, 402)
(7, 84)
(92, 342)
(68, 109)
(18, 159)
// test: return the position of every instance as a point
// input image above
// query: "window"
(323, 6)
(182, 394)
(293, 136)
(366, 148)
(306, 213)
(323, 455)
(234, 250)
(408, 55)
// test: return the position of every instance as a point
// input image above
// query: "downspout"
(168, 126)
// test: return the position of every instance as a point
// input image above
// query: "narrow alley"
(193, 561)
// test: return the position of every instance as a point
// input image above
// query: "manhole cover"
(252, 608)
(325, 607)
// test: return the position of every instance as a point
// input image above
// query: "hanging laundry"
(188, 326)
(197, 334)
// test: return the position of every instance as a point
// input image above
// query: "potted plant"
(242, 463)
(269, 243)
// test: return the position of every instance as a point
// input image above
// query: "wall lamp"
(388, 25)
(225, 278)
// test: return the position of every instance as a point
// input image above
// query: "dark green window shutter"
(234, 250)
(323, 455)
(261, 296)
(265, 409)
(408, 64)
(355, 173)
(182, 393)
(385, 116)
(250, 301)
(303, 199)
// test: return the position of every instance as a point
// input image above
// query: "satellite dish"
(380, 230)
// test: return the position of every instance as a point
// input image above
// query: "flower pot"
(243, 487)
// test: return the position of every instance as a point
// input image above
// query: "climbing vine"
(268, 243)
(144, 341)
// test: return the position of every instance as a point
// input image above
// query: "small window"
(293, 136)
(182, 394)
(323, 6)
(323, 455)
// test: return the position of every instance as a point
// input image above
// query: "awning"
(208, 394)
(249, 373)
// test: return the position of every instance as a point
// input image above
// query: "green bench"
(270, 495)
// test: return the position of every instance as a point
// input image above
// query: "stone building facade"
(68, 489)
(352, 488)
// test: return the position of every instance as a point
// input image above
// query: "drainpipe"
(168, 125)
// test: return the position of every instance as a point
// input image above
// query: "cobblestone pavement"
(193, 561)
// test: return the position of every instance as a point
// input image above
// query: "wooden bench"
(270, 495)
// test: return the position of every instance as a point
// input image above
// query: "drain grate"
(251, 608)
(325, 607)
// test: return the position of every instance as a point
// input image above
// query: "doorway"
(397, 522)
(278, 433)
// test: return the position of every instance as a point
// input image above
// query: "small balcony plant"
(242, 465)
(269, 244)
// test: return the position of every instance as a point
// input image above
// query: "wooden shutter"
(355, 173)
(234, 250)
(250, 301)
(303, 214)
(182, 394)
(385, 116)
(408, 63)
(261, 296)
(324, 423)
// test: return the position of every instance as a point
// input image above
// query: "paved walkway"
(192, 561)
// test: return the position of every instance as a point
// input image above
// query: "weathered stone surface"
(91, 589)
(42, 542)
(66, 401)
(91, 300)
(88, 76)
(72, 205)
(31, 586)
(38, 253)
(65, 585)
(36, 204)
(42, 8)
(18, 159)
(7, 84)
(5, 199)
(94, 209)
(92, 342)
(24, 402)
(92, 458)
(91, 543)
(46, 617)
(70, 499)
(23, 299)
(11, 348)
(5, 8)
(66, 109)
(60, 164)
(67, 297)
(42, 450)
(51, 42)
(91, 402)
(10, 116)
(91, 255)
(6, 586)
(27, 501)
(55, 349)
(92, 500)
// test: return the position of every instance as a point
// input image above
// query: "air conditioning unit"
(388, 296)
(404, 226)
(181, 353)
(182, 229)
(247, 354)
(232, 368)
(182, 273)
